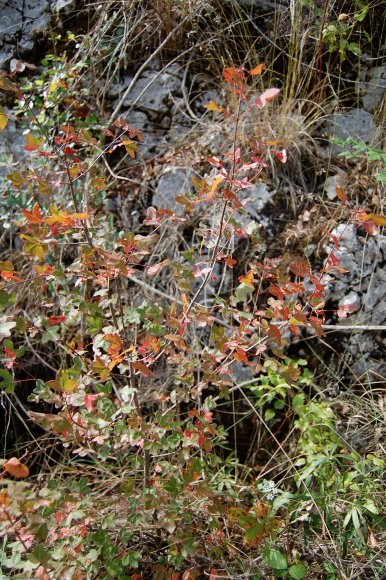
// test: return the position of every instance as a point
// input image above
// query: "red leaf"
(234, 76)
(90, 402)
(268, 95)
(57, 319)
(282, 155)
(240, 355)
(300, 268)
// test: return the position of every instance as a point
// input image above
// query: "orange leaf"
(212, 106)
(247, 280)
(240, 355)
(34, 216)
(258, 69)
(14, 467)
(142, 368)
(215, 183)
(341, 194)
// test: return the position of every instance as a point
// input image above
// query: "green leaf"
(132, 559)
(381, 176)
(39, 555)
(274, 559)
(52, 334)
(269, 414)
(6, 381)
(298, 571)
(242, 293)
(298, 401)
(131, 315)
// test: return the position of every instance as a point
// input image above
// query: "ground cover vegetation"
(134, 447)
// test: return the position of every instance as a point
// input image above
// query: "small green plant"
(338, 34)
(355, 150)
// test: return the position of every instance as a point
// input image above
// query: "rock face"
(172, 183)
(362, 286)
(153, 91)
(356, 123)
(22, 21)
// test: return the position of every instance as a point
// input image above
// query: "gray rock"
(373, 89)
(256, 197)
(11, 23)
(12, 143)
(241, 373)
(153, 90)
(33, 10)
(374, 295)
(356, 124)
(173, 182)
(352, 299)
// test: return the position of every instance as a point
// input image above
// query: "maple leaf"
(155, 268)
(90, 401)
(53, 320)
(300, 268)
(346, 309)
(33, 246)
(282, 155)
(8, 85)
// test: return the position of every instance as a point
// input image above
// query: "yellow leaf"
(380, 220)
(247, 280)
(33, 246)
(3, 119)
(99, 183)
(212, 106)
(131, 148)
(44, 188)
(258, 69)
